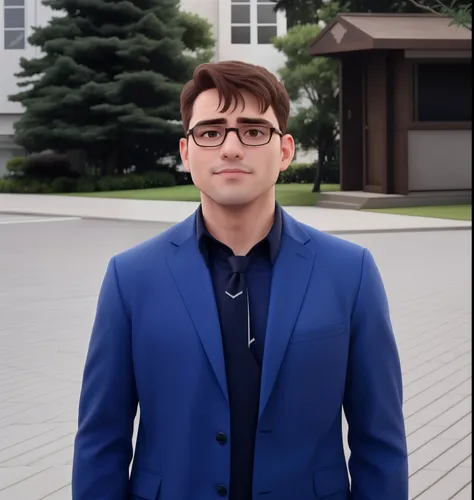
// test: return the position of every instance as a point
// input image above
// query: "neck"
(239, 227)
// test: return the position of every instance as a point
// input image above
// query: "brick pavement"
(50, 273)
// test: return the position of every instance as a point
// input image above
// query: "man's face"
(233, 173)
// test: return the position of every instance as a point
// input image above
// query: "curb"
(335, 231)
(401, 230)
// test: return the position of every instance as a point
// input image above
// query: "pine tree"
(108, 79)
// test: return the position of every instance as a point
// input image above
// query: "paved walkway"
(51, 271)
(326, 219)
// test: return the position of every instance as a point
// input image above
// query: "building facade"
(243, 30)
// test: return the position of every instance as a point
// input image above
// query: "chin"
(233, 199)
(235, 196)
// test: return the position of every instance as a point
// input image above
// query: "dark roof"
(355, 32)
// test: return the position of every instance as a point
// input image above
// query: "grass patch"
(286, 194)
(456, 212)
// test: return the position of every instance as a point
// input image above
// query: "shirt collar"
(273, 238)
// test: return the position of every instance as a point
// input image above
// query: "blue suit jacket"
(156, 341)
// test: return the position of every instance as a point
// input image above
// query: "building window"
(443, 92)
(14, 24)
(240, 20)
(253, 21)
(266, 21)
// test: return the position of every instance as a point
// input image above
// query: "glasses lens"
(254, 135)
(209, 135)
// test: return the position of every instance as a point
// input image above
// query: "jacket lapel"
(291, 274)
(194, 282)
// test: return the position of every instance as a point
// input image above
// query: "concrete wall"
(36, 14)
(8, 148)
(439, 160)
(7, 151)
(219, 14)
(265, 55)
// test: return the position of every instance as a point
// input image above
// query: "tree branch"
(424, 7)
(442, 5)
(310, 94)
(460, 18)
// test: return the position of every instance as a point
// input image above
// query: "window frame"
(8, 6)
(265, 3)
(254, 25)
(416, 94)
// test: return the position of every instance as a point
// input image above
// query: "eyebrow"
(243, 120)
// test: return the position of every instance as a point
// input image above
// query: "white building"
(242, 29)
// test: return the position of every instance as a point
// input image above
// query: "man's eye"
(210, 134)
(254, 132)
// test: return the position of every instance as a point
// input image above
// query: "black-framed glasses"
(211, 136)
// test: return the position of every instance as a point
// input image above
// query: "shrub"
(145, 180)
(15, 165)
(28, 184)
(9, 185)
(116, 183)
(298, 173)
(48, 166)
(305, 173)
(86, 185)
(24, 186)
(183, 178)
(158, 179)
(63, 185)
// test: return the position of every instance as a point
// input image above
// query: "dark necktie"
(243, 371)
(237, 291)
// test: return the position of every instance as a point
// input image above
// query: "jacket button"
(221, 490)
(221, 438)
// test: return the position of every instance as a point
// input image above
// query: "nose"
(232, 147)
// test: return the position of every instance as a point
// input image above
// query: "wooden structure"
(405, 101)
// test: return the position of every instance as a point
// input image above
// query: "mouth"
(232, 171)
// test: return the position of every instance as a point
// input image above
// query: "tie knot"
(238, 263)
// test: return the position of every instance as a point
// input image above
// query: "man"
(242, 335)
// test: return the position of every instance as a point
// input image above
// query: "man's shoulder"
(331, 245)
(339, 260)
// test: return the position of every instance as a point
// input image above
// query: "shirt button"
(221, 438)
(221, 490)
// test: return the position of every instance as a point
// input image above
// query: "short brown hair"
(230, 78)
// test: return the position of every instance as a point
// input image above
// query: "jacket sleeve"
(108, 402)
(373, 399)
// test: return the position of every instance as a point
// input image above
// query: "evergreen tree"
(108, 79)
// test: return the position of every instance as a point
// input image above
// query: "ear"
(287, 151)
(184, 152)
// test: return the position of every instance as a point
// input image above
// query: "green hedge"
(299, 173)
(87, 184)
(305, 173)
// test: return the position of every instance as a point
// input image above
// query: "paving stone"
(450, 484)
(422, 480)
(464, 494)
(38, 486)
(455, 455)
(51, 274)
